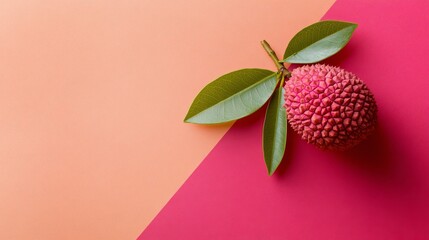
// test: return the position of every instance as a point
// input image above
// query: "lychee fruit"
(329, 107)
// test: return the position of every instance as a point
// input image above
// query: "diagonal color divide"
(379, 190)
(93, 94)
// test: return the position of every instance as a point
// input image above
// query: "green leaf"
(232, 96)
(318, 41)
(275, 131)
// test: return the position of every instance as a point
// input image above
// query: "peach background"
(92, 97)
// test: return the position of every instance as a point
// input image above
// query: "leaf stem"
(280, 67)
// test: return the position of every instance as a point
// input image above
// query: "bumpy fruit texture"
(329, 107)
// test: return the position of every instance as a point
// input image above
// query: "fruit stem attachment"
(280, 67)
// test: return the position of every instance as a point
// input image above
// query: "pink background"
(379, 190)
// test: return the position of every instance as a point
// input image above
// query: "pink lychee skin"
(329, 107)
